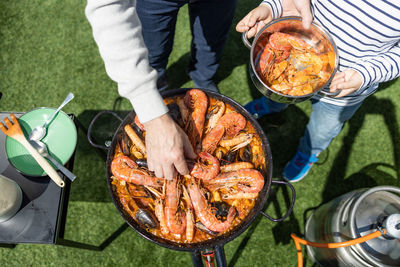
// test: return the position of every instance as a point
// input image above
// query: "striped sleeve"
(381, 68)
(275, 6)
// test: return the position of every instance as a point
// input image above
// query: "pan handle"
(89, 132)
(279, 182)
(245, 40)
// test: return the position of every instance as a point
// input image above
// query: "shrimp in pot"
(239, 141)
(246, 180)
(236, 166)
(124, 168)
(159, 209)
(204, 212)
(175, 220)
(189, 215)
(215, 113)
(197, 102)
(203, 171)
(233, 123)
(230, 123)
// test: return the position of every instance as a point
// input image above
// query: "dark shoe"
(299, 166)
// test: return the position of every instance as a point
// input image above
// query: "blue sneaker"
(258, 108)
(298, 167)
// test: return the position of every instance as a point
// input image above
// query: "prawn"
(230, 123)
(204, 212)
(215, 113)
(124, 168)
(206, 172)
(197, 102)
(175, 224)
(236, 166)
(246, 180)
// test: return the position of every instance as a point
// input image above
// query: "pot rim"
(313, 24)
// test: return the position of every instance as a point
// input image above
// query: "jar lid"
(370, 211)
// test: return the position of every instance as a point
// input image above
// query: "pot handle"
(245, 40)
(327, 93)
(89, 132)
(291, 205)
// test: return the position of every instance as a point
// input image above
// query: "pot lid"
(373, 210)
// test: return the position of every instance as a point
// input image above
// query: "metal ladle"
(42, 149)
(40, 131)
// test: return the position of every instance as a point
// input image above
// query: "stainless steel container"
(316, 36)
(353, 215)
(10, 198)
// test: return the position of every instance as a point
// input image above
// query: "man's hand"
(347, 81)
(167, 145)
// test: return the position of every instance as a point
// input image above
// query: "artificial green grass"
(47, 50)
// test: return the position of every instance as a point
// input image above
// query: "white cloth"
(118, 34)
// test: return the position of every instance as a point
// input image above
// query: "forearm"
(381, 68)
(117, 32)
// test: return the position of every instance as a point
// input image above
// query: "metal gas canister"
(354, 215)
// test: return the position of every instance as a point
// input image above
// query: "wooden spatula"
(13, 130)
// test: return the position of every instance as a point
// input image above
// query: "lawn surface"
(47, 50)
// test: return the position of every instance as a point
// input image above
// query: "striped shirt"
(367, 35)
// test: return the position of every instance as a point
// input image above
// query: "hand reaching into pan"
(167, 146)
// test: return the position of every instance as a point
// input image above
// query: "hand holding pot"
(167, 145)
(255, 20)
(261, 15)
(347, 81)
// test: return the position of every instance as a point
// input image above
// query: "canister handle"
(245, 40)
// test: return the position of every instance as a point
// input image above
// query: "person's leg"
(210, 22)
(326, 122)
(158, 18)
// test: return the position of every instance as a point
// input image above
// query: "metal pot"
(220, 240)
(316, 36)
(353, 215)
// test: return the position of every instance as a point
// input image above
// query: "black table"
(39, 218)
(43, 213)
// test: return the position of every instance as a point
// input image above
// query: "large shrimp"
(236, 166)
(215, 113)
(197, 102)
(204, 212)
(175, 225)
(124, 168)
(239, 141)
(246, 180)
(189, 215)
(159, 209)
(231, 124)
(203, 171)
